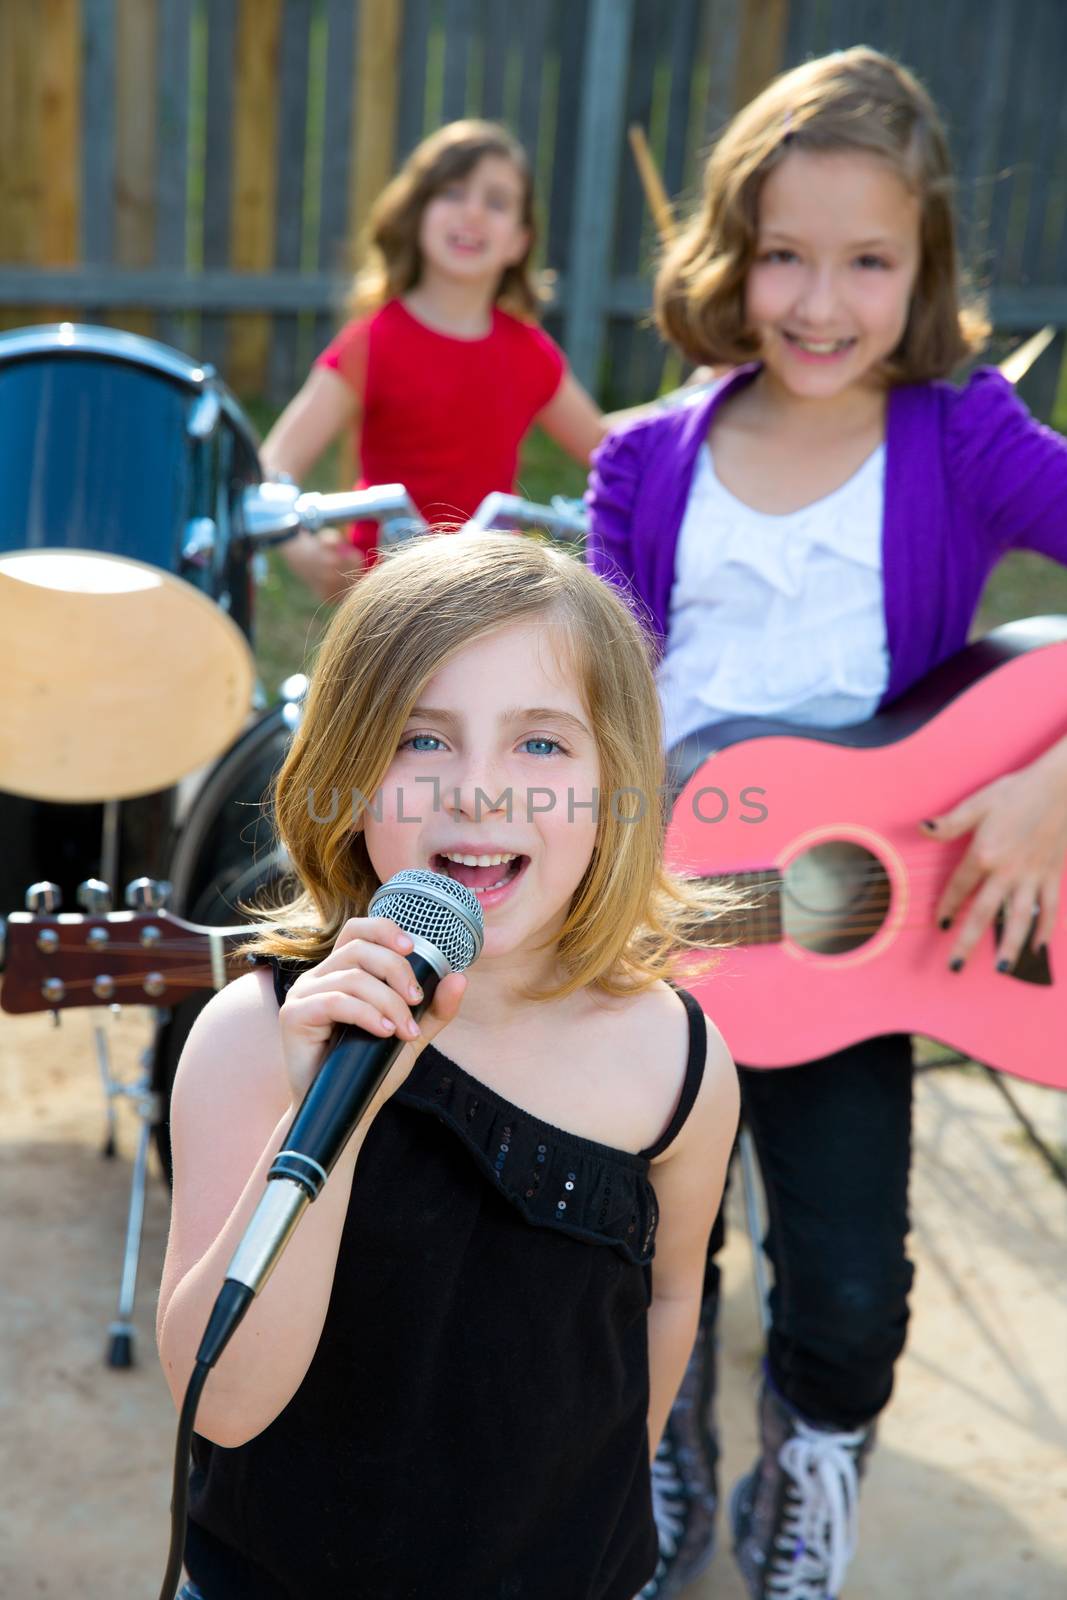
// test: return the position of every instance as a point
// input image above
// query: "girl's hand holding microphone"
(365, 982)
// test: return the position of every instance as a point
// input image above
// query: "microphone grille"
(430, 906)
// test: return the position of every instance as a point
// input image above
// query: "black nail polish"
(956, 964)
(1003, 965)
(946, 922)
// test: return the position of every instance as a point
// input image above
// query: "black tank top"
(473, 1423)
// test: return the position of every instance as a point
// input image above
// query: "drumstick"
(1018, 364)
(652, 183)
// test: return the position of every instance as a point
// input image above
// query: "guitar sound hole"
(834, 898)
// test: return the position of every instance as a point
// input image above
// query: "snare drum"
(119, 445)
(125, 593)
(125, 578)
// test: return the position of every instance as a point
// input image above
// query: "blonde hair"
(389, 250)
(396, 628)
(856, 100)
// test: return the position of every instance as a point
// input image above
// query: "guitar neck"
(123, 958)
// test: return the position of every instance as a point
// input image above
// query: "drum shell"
(225, 856)
(115, 444)
(64, 844)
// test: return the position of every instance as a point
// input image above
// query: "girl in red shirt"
(443, 369)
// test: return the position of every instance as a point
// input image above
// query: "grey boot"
(684, 1473)
(795, 1516)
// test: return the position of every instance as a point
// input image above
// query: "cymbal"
(118, 677)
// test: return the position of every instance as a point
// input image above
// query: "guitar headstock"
(134, 958)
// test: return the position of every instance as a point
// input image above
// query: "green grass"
(290, 622)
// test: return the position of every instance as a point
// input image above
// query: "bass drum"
(225, 863)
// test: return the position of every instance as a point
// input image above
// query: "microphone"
(444, 921)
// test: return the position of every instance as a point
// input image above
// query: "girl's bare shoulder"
(652, 1031)
(233, 1056)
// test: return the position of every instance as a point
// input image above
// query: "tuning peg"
(44, 896)
(94, 896)
(147, 894)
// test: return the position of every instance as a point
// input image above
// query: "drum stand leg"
(121, 1331)
(111, 1088)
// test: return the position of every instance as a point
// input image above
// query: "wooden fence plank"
(628, 341)
(378, 103)
(723, 41)
(992, 93)
(1053, 264)
(379, 68)
(414, 56)
(495, 33)
(761, 47)
(289, 210)
(681, 55)
(135, 146)
(600, 150)
(255, 153)
(842, 25)
(1012, 177)
(221, 21)
(20, 143)
(97, 218)
(798, 31)
(336, 246)
(60, 120)
(459, 33)
(1038, 93)
(172, 162)
(533, 37)
(570, 36)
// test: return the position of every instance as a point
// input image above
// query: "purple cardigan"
(969, 476)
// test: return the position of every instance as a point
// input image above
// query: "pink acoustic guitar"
(821, 829)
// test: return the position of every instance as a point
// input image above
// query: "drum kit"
(137, 747)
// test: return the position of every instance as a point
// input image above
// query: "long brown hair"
(856, 100)
(629, 918)
(391, 263)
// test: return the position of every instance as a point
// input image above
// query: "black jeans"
(834, 1145)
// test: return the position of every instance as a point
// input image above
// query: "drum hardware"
(198, 546)
(206, 413)
(142, 894)
(274, 511)
(563, 519)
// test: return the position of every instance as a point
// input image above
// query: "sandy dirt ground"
(967, 1493)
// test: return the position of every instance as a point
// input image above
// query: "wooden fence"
(196, 169)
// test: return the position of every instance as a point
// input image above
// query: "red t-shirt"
(443, 416)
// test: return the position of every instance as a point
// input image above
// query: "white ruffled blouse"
(777, 616)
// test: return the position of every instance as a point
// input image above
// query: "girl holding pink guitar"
(806, 541)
